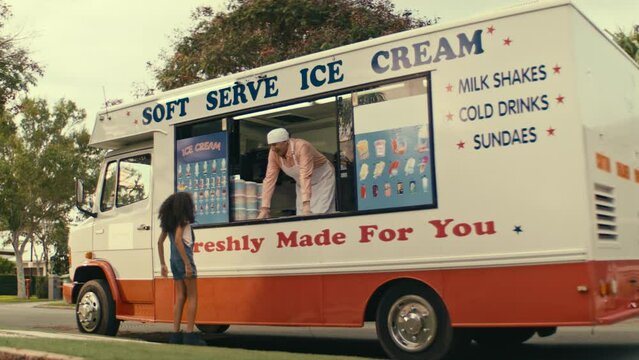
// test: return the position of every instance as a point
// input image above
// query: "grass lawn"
(13, 299)
(132, 350)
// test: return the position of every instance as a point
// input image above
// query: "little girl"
(176, 216)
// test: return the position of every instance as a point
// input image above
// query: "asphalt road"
(617, 342)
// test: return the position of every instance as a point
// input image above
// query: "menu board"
(394, 165)
(201, 169)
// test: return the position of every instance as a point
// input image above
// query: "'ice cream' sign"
(404, 57)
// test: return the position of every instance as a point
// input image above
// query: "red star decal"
(449, 116)
(128, 113)
(507, 41)
(560, 99)
(491, 29)
(460, 144)
(557, 69)
(551, 131)
(135, 121)
(449, 88)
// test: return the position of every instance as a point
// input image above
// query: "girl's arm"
(179, 243)
(163, 270)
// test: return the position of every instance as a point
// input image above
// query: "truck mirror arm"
(86, 212)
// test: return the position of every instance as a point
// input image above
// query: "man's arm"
(268, 185)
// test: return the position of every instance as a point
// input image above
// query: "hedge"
(39, 286)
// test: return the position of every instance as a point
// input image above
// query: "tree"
(17, 70)
(254, 33)
(57, 236)
(40, 156)
(52, 235)
(629, 42)
(7, 267)
(38, 164)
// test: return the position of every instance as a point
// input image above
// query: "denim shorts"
(177, 265)
(179, 270)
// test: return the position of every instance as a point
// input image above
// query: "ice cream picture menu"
(394, 165)
(201, 169)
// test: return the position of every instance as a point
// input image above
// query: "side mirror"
(79, 192)
(79, 199)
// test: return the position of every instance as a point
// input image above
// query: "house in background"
(33, 259)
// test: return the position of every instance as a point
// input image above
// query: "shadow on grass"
(304, 345)
(553, 352)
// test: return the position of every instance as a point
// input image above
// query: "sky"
(97, 49)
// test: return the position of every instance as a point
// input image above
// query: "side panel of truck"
(505, 211)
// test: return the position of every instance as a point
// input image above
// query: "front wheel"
(212, 329)
(95, 309)
(412, 323)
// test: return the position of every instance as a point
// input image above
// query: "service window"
(134, 180)
(378, 138)
(313, 121)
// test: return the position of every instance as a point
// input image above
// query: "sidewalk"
(7, 353)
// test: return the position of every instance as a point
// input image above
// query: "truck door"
(123, 226)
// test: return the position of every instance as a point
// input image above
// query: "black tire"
(424, 331)
(212, 329)
(95, 309)
(502, 337)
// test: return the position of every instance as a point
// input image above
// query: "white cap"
(276, 135)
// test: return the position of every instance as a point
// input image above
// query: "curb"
(7, 353)
(64, 336)
(56, 307)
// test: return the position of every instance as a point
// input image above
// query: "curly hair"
(176, 210)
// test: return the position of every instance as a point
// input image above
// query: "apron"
(322, 186)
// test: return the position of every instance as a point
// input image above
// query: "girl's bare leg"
(191, 303)
(180, 296)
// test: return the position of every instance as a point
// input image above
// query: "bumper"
(67, 292)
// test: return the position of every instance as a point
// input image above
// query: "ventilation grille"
(605, 212)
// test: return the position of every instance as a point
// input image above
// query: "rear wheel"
(95, 309)
(212, 329)
(412, 323)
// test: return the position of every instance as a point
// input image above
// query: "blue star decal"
(518, 229)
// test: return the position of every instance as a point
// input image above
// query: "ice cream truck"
(487, 189)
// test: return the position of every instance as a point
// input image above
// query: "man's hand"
(189, 271)
(265, 213)
(306, 208)
(164, 271)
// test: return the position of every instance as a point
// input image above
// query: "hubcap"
(89, 311)
(412, 323)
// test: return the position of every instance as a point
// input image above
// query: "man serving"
(313, 173)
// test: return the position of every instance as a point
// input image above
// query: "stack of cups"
(251, 200)
(258, 194)
(239, 199)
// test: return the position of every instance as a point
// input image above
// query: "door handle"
(99, 231)
(144, 227)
